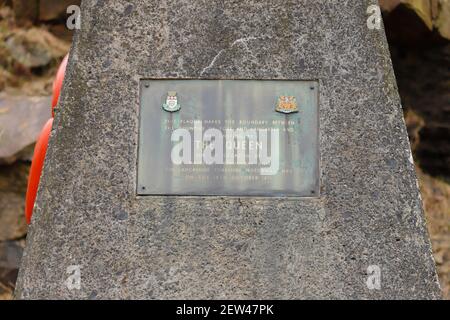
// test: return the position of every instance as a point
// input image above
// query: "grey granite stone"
(369, 212)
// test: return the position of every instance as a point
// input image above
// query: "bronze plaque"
(229, 138)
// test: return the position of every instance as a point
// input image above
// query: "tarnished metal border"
(314, 194)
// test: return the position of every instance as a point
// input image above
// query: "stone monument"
(228, 149)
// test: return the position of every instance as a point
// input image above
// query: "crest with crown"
(287, 104)
(171, 104)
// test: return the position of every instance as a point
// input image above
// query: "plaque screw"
(312, 88)
(147, 85)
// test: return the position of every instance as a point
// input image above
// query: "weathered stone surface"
(369, 211)
(21, 121)
(13, 227)
(12, 217)
(13, 186)
(10, 256)
(35, 47)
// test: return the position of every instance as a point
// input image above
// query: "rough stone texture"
(34, 48)
(369, 212)
(10, 255)
(13, 186)
(21, 120)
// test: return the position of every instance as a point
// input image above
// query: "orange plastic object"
(57, 84)
(36, 169)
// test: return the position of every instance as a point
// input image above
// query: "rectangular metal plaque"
(229, 138)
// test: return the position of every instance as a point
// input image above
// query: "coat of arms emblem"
(171, 104)
(287, 104)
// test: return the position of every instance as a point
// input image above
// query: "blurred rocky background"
(34, 39)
